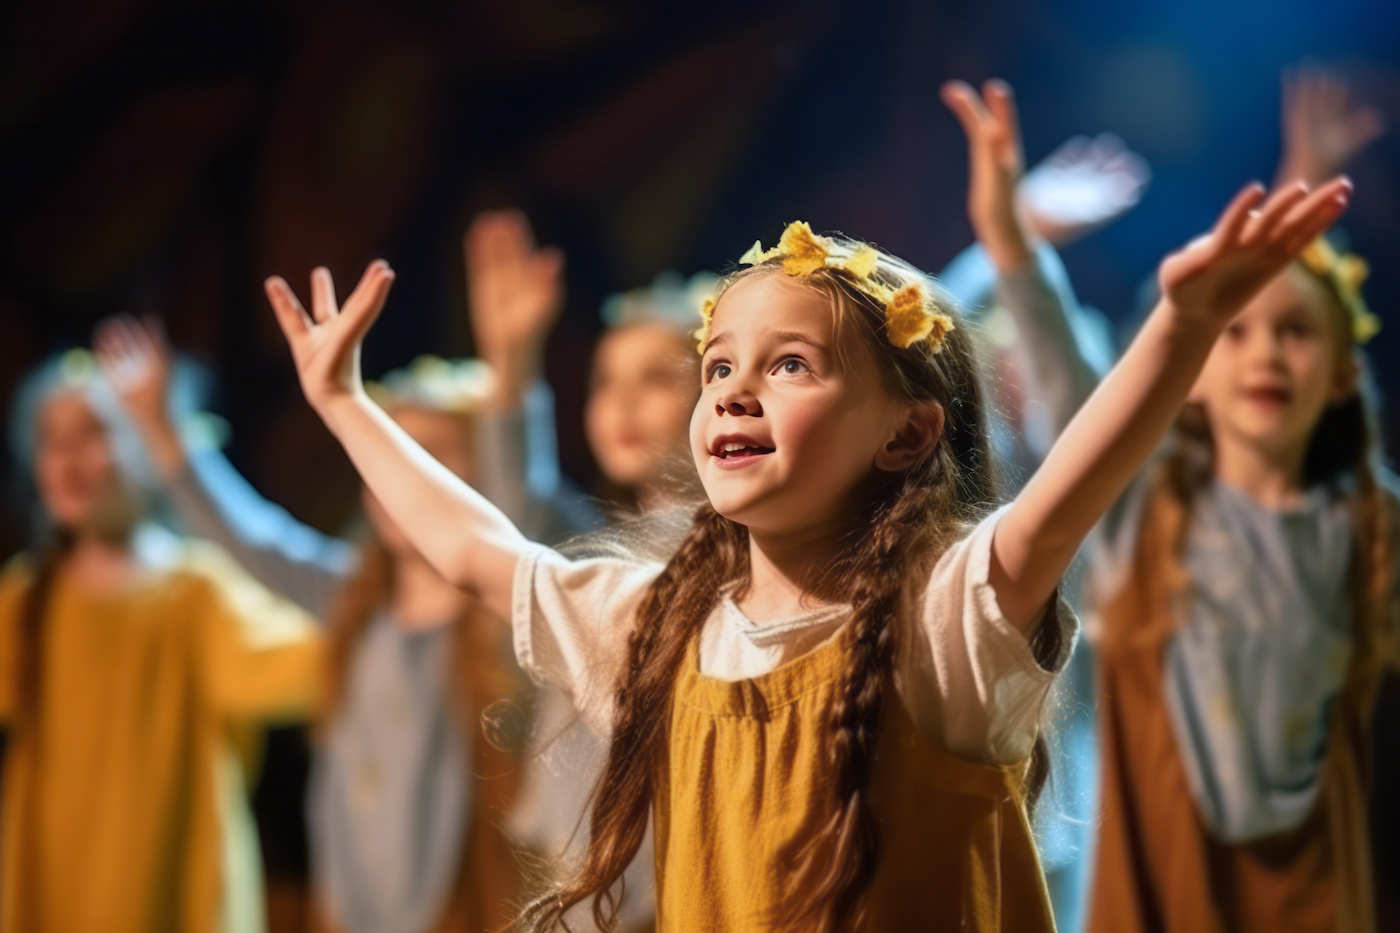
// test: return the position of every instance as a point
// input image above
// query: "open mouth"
(734, 451)
(742, 450)
(1269, 395)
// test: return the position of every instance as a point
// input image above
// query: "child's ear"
(915, 436)
(1345, 379)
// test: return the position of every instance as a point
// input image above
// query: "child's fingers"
(323, 306)
(123, 340)
(1263, 223)
(367, 300)
(291, 316)
(962, 100)
(109, 348)
(1365, 125)
(1310, 218)
(1001, 104)
(365, 287)
(1236, 215)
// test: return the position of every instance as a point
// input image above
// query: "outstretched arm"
(210, 497)
(1103, 177)
(466, 538)
(1204, 286)
(515, 294)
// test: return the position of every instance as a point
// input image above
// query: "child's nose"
(738, 403)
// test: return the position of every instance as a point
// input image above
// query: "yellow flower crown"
(911, 313)
(1345, 273)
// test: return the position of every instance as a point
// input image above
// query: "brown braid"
(669, 617)
(905, 524)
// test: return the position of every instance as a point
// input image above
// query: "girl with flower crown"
(1244, 600)
(828, 697)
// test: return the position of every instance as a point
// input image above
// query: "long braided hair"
(905, 523)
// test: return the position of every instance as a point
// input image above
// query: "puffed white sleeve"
(572, 621)
(972, 681)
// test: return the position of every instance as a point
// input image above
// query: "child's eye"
(792, 366)
(1235, 332)
(716, 371)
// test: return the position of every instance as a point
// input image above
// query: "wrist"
(1182, 327)
(334, 408)
(164, 446)
(513, 374)
(1007, 247)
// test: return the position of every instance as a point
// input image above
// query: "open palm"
(135, 358)
(326, 343)
(515, 287)
(1214, 276)
(1324, 127)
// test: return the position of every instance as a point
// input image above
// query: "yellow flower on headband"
(911, 314)
(909, 319)
(707, 313)
(1345, 274)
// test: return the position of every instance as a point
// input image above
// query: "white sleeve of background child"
(968, 676)
(572, 621)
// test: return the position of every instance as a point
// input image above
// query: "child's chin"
(737, 507)
(1266, 433)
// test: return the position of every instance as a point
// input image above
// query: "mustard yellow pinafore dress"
(743, 785)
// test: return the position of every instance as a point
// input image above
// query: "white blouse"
(966, 675)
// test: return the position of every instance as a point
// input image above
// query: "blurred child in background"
(409, 795)
(135, 671)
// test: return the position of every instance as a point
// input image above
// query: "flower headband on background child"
(912, 314)
(454, 386)
(1344, 273)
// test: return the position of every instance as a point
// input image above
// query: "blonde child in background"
(136, 672)
(642, 389)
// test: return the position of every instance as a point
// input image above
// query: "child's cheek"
(1217, 370)
(699, 422)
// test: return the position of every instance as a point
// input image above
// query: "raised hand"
(1323, 126)
(1082, 186)
(135, 359)
(326, 343)
(1214, 276)
(515, 293)
(995, 165)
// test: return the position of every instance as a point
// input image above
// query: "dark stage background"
(164, 157)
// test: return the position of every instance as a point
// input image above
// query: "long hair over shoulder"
(906, 521)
